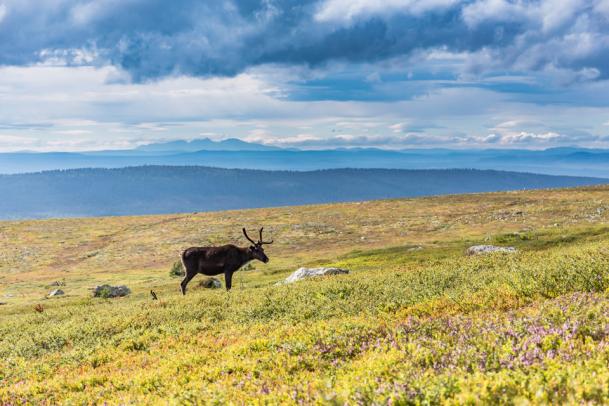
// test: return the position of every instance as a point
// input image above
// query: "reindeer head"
(256, 249)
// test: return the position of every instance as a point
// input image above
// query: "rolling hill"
(162, 189)
(415, 321)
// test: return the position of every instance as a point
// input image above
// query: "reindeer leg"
(228, 279)
(185, 281)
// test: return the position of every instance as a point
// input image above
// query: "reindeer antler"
(263, 242)
(248, 237)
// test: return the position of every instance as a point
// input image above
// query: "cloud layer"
(84, 74)
(156, 38)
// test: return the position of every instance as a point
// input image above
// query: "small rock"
(486, 249)
(58, 283)
(303, 273)
(111, 291)
(210, 283)
(56, 292)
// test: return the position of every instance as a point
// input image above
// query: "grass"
(416, 321)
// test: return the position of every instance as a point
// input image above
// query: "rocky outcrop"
(304, 273)
(487, 249)
(56, 292)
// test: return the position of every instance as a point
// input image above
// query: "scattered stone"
(210, 283)
(303, 273)
(3, 303)
(56, 292)
(107, 291)
(58, 283)
(487, 249)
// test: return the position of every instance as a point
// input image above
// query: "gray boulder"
(111, 291)
(487, 249)
(56, 292)
(210, 283)
(303, 273)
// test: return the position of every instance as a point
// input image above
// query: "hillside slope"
(416, 321)
(167, 189)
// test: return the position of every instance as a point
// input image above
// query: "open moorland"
(416, 320)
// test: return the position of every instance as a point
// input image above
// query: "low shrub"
(177, 270)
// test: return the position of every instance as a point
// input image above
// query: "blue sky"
(82, 74)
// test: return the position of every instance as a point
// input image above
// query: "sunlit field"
(415, 321)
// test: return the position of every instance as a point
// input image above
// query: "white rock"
(56, 292)
(487, 249)
(303, 273)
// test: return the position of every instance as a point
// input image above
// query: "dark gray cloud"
(156, 38)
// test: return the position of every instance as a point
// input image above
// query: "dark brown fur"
(226, 259)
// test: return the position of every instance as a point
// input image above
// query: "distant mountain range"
(168, 189)
(204, 144)
(237, 154)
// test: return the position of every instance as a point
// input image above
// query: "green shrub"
(105, 292)
(177, 270)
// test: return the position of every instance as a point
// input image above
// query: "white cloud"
(547, 15)
(348, 10)
(531, 138)
(78, 108)
(497, 10)
(86, 13)
(73, 132)
(15, 143)
(556, 13)
(65, 57)
(602, 7)
(530, 133)
(398, 127)
(320, 141)
(3, 12)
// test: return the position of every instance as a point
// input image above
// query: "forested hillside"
(167, 189)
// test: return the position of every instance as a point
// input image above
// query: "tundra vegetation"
(415, 321)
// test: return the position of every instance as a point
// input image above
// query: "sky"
(113, 74)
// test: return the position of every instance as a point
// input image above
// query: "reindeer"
(226, 259)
